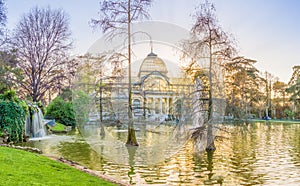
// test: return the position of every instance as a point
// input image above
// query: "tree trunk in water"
(210, 146)
(210, 167)
(131, 140)
(102, 131)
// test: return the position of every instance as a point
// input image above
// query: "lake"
(261, 153)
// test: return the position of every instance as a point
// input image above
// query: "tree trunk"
(210, 146)
(131, 140)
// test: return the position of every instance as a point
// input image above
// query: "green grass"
(58, 127)
(24, 168)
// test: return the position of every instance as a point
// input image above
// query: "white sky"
(266, 30)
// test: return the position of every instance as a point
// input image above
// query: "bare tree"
(42, 40)
(116, 17)
(2, 16)
(7, 58)
(3, 31)
(209, 42)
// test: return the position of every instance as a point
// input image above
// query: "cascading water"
(35, 125)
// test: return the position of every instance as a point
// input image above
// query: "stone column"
(160, 104)
(153, 104)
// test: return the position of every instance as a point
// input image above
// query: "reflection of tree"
(81, 152)
(294, 140)
(131, 161)
(243, 152)
(210, 166)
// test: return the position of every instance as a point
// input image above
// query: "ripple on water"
(258, 154)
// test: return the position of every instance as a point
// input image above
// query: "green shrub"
(10, 95)
(289, 114)
(61, 111)
(12, 115)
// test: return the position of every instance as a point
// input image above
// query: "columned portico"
(155, 89)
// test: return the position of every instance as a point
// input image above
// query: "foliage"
(66, 94)
(81, 105)
(33, 169)
(294, 89)
(42, 40)
(289, 114)
(8, 70)
(13, 114)
(62, 111)
(243, 93)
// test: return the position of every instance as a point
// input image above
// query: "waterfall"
(35, 125)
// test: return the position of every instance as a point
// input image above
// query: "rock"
(25, 138)
(68, 128)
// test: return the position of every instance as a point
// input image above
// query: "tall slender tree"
(42, 40)
(116, 17)
(242, 82)
(208, 41)
(279, 99)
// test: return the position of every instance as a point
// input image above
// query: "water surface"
(254, 154)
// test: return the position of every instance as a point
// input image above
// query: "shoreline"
(84, 169)
(261, 120)
(70, 163)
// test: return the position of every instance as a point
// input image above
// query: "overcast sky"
(266, 30)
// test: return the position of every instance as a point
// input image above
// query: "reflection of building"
(154, 92)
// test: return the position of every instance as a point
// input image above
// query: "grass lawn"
(19, 167)
(58, 127)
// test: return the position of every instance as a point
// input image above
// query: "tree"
(211, 43)
(294, 89)
(269, 79)
(279, 99)
(42, 41)
(3, 18)
(8, 67)
(7, 58)
(242, 83)
(116, 18)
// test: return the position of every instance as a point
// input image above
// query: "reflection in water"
(254, 154)
(131, 161)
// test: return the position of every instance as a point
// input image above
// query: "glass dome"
(152, 63)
